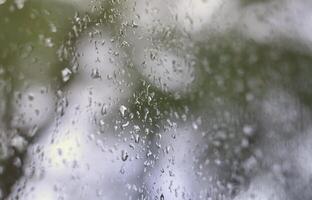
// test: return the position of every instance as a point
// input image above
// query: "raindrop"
(122, 170)
(136, 128)
(19, 143)
(134, 25)
(102, 123)
(149, 153)
(171, 173)
(104, 109)
(122, 110)
(95, 74)
(124, 155)
(66, 73)
(30, 97)
(137, 138)
(33, 131)
(125, 125)
(162, 197)
(195, 126)
(48, 42)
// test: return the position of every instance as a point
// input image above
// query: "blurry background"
(155, 99)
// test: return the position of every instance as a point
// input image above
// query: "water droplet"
(195, 126)
(137, 138)
(19, 143)
(122, 170)
(102, 123)
(33, 131)
(31, 97)
(48, 42)
(162, 197)
(124, 155)
(136, 128)
(125, 125)
(122, 110)
(149, 153)
(66, 73)
(134, 25)
(171, 173)
(104, 109)
(95, 74)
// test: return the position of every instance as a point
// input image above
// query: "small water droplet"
(66, 73)
(31, 97)
(33, 131)
(171, 173)
(122, 110)
(123, 126)
(122, 170)
(102, 123)
(149, 153)
(104, 109)
(124, 155)
(134, 25)
(95, 74)
(195, 126)
(136, 128)
(137, 138)
(48, 42)
(162, 197)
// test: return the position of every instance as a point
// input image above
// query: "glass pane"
(155, 99)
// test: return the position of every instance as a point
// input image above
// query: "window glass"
(155, 99)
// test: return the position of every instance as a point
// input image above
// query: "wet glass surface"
(155, 99)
